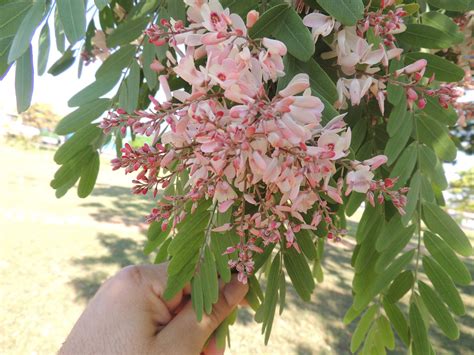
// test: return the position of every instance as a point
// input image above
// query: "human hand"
(128, 315)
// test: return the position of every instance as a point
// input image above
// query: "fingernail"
(235, 291)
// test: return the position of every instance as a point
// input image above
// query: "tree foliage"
(412, 132)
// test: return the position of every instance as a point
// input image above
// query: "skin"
(128, 315)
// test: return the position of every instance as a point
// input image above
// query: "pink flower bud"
(421, 103)
(416, 66)
(156, 66)
(411, 94)
(252, 17)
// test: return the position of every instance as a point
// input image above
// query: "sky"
(56, 91)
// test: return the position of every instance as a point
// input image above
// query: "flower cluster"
(364, 66)
(267, 158)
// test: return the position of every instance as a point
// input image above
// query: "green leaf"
(304, 238)
(398, 116)
(98, 88)
(397, 320)
(370, 218)
(443, 285)
(11, 16)
(348, 12)
(116, 62)
(385, 332)
(72, 169)
(396, 144)
(210, 287)
(444, 24)
(359, 132)
(185, 249)
(299, 273)
(355, 200)
(59, 32)
(392, 233)
(404, 166)
(441, 223)
(89, 175)
(177, 10)
(82, 116)
(383, 279)
(438, 311)
(395, 93)
(452, 5)
(433, 109)
(397, 243)
(24, 81)
(411, 8)
(351, 314)
(419, 332)
(362, 328)
(144, 8)
(156, 236)
(295, 35)
(448, 260)
(367, 253)
(443, 69)
(24, 34)
(318, 270)
(127, 31)
(197, 298)
(73, 19)
(423, 36)
(267, 311)
(320, 82)
(283, 23)
(148, 57)
(85, 136)
(241, 7)
(427, 162)
(413, 197)
(101, 3)
(282, 290)
(269, 21)
(62, 63)
(129, 91)
(162, 254)
(400, 286)
(44, 43)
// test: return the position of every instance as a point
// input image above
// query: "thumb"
(186, 335)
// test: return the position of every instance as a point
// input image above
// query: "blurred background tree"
(462, 191)
(41, 116)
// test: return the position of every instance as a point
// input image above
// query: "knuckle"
(131, 275)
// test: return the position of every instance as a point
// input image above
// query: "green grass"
(54, 254)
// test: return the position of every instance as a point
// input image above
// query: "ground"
(54, 254)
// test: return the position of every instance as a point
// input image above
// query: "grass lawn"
(54, 254)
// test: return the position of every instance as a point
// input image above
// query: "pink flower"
(334, 144)
(215, 17)
(252, 18)
(299, 83)
(187, 71)
(224, 192)
(359, 180)
(375, 162)
(321, 25)
(274, 46)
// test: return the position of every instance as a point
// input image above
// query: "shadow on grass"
(120, 252)
(120, 205)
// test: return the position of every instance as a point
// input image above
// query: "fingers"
(193, 334)
(154, 278)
